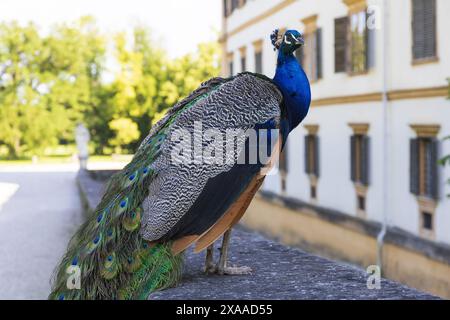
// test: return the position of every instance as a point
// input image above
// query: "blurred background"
(363, 180)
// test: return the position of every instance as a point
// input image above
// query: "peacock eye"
(286, 40)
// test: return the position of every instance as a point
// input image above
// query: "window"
(230, 67)
(353, 40)
(258, 56)
(226, 9)
(424, 29)
(258, 62)
(230, 58)
(310, 56)
(359, 165)
(424, 167)
(360, 147)
(234, 5)
(283, 163)
(243, 53)
(424, 174)
(283, 184)
(299, 54)
(312, 155)
(340, 44)
(230, 5)
(312, 158)
(313, 192)
(361, 203)
(358, 42)
(283, 166)
(427, 221)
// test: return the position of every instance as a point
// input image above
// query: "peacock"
(170, 196)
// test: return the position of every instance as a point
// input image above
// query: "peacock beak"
(300, 41)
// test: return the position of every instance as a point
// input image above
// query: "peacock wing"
(238, 104)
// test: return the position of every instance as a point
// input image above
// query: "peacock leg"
(209, 264)
(222, 267)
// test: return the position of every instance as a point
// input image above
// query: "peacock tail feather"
(114, 261)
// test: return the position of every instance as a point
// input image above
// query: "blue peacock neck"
(294, 85)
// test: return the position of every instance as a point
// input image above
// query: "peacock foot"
(222, 268)
(227, 270)
(234, 270)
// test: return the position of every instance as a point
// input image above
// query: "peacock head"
(288, 42)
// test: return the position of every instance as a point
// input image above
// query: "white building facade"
(378, 69)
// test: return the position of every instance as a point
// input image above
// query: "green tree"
(49, 83)
(126, 131)
(77, 61)
(148, 83)
(20, 80)
(138, 84)
(46, 83)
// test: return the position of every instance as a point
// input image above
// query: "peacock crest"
(276, 38)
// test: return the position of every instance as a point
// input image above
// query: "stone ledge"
(280, 272)
(90, 185)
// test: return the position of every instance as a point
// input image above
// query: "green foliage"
(148, 83)
(448, 79)
(126, 131)
(49, 83)
(446, 160)
(46, 82)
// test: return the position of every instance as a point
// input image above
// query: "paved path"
(39, 210)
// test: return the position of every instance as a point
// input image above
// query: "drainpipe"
(386, 134)
(223, 40)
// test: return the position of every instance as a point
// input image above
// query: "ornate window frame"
(426, 204)
(313, 130)
(361, 129)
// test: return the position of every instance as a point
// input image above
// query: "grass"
(59, 155)
(112, 158)
(42, 160)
